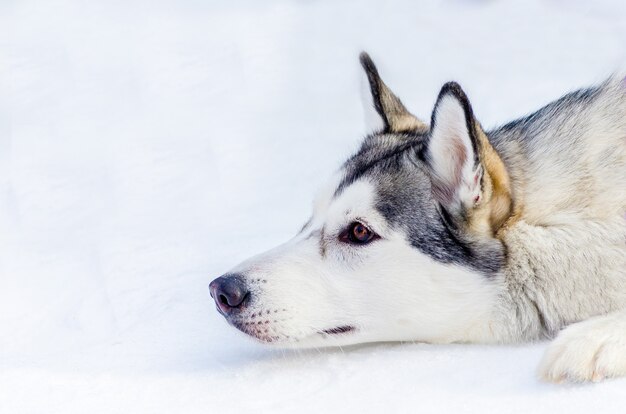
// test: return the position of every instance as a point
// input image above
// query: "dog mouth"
(339, 330)
(263, 330)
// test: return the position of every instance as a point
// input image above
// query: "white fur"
(410, 296)
(587, 351)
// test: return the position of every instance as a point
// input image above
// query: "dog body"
(444, 232)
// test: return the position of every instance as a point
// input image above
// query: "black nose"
(230, 293)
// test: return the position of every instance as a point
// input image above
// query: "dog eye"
(357, 233)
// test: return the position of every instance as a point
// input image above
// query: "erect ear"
(385, 108)
(452, 151)
(468, 177)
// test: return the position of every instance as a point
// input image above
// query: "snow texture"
(148, 146)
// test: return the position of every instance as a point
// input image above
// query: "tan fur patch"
(407, 123)
(496, 204)
(398, 117)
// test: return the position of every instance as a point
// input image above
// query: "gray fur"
(546, 289)
(405, 199)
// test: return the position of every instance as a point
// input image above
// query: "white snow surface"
(148, 146)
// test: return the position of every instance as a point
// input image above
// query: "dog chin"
(261, 331)
(265, 333)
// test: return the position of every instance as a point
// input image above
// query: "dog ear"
(384, 111)
(453, 151)
(469, 179)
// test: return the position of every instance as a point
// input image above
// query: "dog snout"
(230, 293)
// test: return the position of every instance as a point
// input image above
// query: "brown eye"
(357, 233)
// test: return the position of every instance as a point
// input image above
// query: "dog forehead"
(382, 174)
(356, 199)
(383, 165)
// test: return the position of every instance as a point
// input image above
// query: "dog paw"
(588, 351)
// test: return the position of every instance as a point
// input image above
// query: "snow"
(148, 146)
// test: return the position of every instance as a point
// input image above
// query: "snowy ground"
(146, 147)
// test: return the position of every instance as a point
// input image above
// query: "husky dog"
(445, 232)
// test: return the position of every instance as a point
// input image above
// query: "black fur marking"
(375, 149)
(339, 330)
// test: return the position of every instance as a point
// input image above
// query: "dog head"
(401, 244)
